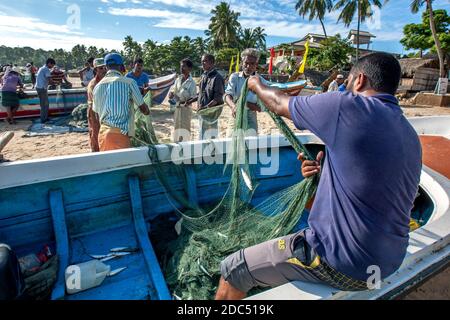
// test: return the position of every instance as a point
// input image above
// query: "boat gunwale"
(24, 172)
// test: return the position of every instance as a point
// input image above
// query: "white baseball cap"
(340, 76)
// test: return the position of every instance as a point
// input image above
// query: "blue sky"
(51, 24)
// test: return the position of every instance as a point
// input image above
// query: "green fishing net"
(208, 234)
(210, 115)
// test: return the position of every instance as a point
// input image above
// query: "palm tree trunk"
(357, 32)
(323, 27)
(436, 40)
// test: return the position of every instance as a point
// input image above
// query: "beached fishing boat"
(65, 100)
(85, 205)
(60, 102)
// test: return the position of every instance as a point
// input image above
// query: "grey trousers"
(43, 101)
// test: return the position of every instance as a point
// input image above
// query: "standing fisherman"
(93, 120)
(184, 93)
(114, 99)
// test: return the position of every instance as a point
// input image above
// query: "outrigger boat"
(63, 101)
(87, 204)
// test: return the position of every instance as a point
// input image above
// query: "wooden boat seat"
(142, 279)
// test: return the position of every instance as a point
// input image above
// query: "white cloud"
(166, 18)
(38, 34)
(249, 19)
(30, 24)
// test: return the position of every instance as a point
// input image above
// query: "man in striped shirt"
(114, 100)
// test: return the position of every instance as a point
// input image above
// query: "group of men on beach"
(111, 97)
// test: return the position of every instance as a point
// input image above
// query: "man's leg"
(252, 124)
(269, 264)
(9, 116)
(227, 292)
(43, 101)
(94, 127)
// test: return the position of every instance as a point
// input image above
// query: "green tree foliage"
(362, 9)
(335, 51)
(224, 56)
(315, 9)
(132, 49)
(419, 36)
(224, 27)
(73, 59)
(415, 6)
(252, 38)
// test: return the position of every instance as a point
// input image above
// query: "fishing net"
(209, 234)
(210, 115)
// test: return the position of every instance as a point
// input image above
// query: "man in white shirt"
(250, 58)
(87, 74)
(334, 85)
(184, 93)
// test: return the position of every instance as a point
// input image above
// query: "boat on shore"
(45, 202)
(63, 101)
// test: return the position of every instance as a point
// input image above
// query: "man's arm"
(275, 100)
(219, 90)
(138, 99)
(81, 72)
(230, 91)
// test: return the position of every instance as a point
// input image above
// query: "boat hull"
(60, 102)
(93, 202)
(65, 100)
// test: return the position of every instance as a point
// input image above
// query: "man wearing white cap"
(334, 85)
(93, 121)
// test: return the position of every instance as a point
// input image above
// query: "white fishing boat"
(92, 202)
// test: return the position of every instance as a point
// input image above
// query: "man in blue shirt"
(138, 75)
(42, 78)
(360, 217)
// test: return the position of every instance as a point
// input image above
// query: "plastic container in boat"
(84, 276)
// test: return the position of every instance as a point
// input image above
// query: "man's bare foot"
(227, 292)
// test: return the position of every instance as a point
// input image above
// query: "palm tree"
(415, 6)
(224, 26)
(364, 11)
(260, 38)
(315, 9)
(200, 45)
(247, 39)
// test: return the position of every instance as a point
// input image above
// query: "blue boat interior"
(89, 215)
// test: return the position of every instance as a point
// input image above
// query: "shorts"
(277, 262)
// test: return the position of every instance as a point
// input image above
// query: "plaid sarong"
(9, 99)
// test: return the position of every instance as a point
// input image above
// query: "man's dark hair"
(139, 60)
(188, 63)
(50, 61)
(116, 67)
(210, 57)
(382, 69)
(90, 60)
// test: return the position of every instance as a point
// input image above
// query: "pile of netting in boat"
(192, 261)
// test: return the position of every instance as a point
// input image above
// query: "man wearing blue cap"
(114, 100)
